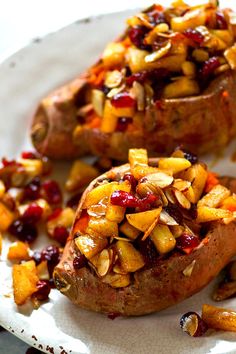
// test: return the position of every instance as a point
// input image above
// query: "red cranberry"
(187, 242)
(156, 17)
(127, 200)
(43, 291)
(113, 315)
(147, 202)
(29, 155)
(56, 212)
(137, 35)
(130, 178)
(60, 234)
(123, 100)
(37, 257)
(32, 214)
(23, 231)
(32, 189)
(79, 261)
(209, 67)
(74, 201)
(193, 324)
(52, 192)
(123, 124)
(194, 35)
(139, 77)
(51, 254)
(221, 21)
(6, 162)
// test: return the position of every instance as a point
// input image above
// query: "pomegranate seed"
(194, 35)
(187, 242)
(209, 67)
(74, 201)
(29, 155)
(51, 254)
(113, 315)
(23, 231)
(193, 324)
(32, 214)
(79, 261)
(56, 212)
(43, 290)
(61, 234)
(37, 257)
(52, 192)
(32, 189)
(140, 77)
(221, 21)
(127, 200)
(130, 178)
(123, 124)
(123, 100)
(136, 35)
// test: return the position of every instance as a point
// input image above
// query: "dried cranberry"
(32, 214)
(74, 201)
(123, 100)
(51, 254)
(187, 242)
(147, 202)
(123, 123)
(37, 257)
(29, 155)
(32, 189)
(56, 212)
(130, 178)
(193, 324)
(79, 261)
(23, 231)
(136, 35)
(113, 315)
(190, 157)
(43, 290)
(194, 35)
(139, 77)
(175, 212)
(156, 17)
(209, 67)
(127, 200)
(148, 251)
(60, 234)
(52, 192)
(221, 21)
(6, 162)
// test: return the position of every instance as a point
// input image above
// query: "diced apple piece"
(33, 167)
(130, 259)
(130, 231)
(6, 217)
(98, 193)
(174, 164)
(225, 35)
(109, 120)
(183, 87)
(114, 212)
(65, 219)
(18, 251)
(90, 246)
(102, 227)
(2, 188)
(142, 221)
(80, 175)
(229, 203)
(117, 280)
(42, 270)
(98, 99)
(230, 56)
(198, 184)
(118, 269)
(163, 239)
(205, 214)
(181, 185)
(219, 318)
(191, 19)
(113, 54)
(215, 197)
(24, 281)
(138, 157)
(140, 171)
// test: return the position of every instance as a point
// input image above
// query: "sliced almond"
(115, 91)
(102, 262)
(181, 185)
(166, 219)
(170, 195)
(150, 58)
(189, 269)
(160, 179)
(183, 201)
(118, 269)
(113, 78)
(139, 93)
(98, 101)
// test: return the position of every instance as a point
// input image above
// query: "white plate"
(25, 78)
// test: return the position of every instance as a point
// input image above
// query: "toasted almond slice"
(170, 195)
(104, 262)
(117, 280)
(187, 272)
(139, 93)
(181, 185)
(150, 229)
(98, 101)
(160, 179)
(113, 78)
(183, 201)
(118, 269)
(166, 219)
(115, 91)
(150, 58)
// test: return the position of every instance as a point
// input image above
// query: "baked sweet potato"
(168, 80)
(170, 257)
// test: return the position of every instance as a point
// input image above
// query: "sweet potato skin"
(203, 123)
(152, 289)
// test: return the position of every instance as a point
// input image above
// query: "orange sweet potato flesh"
(203, 123)
(152, 289)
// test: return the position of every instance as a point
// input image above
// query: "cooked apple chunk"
(130, 259)
(90, 246)
(143, 220)
(163, 239)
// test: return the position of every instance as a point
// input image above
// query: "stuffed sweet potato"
(147, 235)
(169, 79)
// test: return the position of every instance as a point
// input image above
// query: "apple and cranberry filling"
(140, 212)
